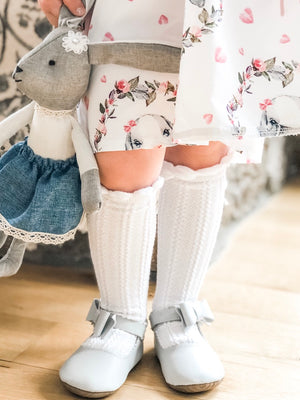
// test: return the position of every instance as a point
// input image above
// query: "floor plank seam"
(27, 365)
(244, 284)
(284, 324)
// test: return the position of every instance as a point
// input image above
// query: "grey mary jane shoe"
(188, 367)
(95, 373)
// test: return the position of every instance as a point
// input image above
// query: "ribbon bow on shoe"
(187, 366)
(189, 313)
(104, 321)
(94, 371)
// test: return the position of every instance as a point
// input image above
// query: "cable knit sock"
(189, 217)
(121, 236)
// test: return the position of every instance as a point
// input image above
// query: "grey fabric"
(3, 238)
(133, 327)
(59, 86)
(90, 191)
(104, 321)
(68, 19)
(161, 316)
(93, 311)
(12, 261)
(148, 56)
(189, 313)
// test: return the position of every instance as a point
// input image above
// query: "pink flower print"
(231, 105)
(131, 124)
(102, 128)
(259, 65)
(285, 39)
(108, 37)
(127, 128)
(247, 76)
(265, 104)
(220, 56)
(241, 51)
(208, 118)
(239, 99)
(247, 16)
(123, 86)
(163, 87)
(163, 20)
(268, 102)
(195, 31)
(110, 101)
(262, 106)
(103, 79)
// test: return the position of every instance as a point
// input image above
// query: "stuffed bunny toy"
(50, 179)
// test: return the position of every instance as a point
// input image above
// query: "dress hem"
(36, 237)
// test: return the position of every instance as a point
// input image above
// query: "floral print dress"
(239, 78)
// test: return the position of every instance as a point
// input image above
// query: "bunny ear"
(66, 18)
(149, 56)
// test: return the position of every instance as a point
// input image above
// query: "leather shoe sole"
(84, 393)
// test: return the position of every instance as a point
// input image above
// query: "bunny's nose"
(18, 69)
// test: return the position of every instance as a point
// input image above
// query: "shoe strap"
(104, 321)
(190, 313)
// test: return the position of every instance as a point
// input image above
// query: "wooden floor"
(254, 292)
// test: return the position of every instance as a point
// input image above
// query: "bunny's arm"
(10, 125)
(89, 173)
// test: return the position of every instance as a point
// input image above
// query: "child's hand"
(52, 7)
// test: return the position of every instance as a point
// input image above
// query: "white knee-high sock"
(189, 217)
(121, 236)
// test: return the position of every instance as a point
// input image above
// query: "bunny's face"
(56, 77)
(158, 125)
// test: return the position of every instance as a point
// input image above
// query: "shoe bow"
(104, 321)
(190, 313)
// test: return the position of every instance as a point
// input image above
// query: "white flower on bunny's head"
(76, 42)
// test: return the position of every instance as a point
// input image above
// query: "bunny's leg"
(12, 261)
(3, 238)
(89, 173)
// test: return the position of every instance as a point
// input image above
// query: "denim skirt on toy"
(40, 198)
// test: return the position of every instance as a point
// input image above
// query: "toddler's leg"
(121, 238)
(190, 211)
(122, 232)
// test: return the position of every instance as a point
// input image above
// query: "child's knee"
(129, 171)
